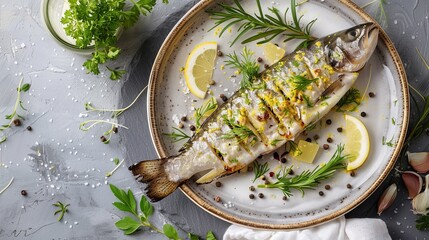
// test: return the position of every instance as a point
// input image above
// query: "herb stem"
(116, 168)
(367, 85)
(7, 186)
(422, 58)
(416, 91)
(97, 121)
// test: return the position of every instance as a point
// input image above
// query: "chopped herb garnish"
(307, 100)
(247, 67)
(301, 82)
(259, 169)
(393, 121)
(274, 142)
(205, 110)
(350, 101)
(308, 179)
(177, 136)
(234, 160)
(63, 209)
(267, 26)
(240, 132)
(387, 143)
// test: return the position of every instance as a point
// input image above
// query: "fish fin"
(152, 172)
(211, 175)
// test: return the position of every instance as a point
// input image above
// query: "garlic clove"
(419, 161)
(413, 182)
(421, 202)
(387, 198)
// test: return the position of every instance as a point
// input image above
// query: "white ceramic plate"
(387, 117)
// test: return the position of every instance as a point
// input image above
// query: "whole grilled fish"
(292, 94)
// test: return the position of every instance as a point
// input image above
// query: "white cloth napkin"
(339, 229)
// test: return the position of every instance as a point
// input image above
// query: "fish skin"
(270, 115)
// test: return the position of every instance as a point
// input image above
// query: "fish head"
(350, 49)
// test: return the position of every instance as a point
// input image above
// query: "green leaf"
(422, 223)
(146, 207)
(116, 74)
(210, 236)
(193, 236)
(10, 116)
(126, 200)
(170, 232)
(121, 206)
(128, 225)
(116, 161)
(25, 87)
(3, 139)
(132, 201)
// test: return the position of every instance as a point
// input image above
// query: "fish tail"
(153, 173)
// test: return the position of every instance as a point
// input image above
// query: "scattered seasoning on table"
(321, 193)
(371, 94)
(217, 199)
(192, 127)
(325, 146)
(308, 140)
(29, 128)
(271, 174)
(212, 82)
(103, 139)
(180, 125)
(349, 186)
(259, 59)
(284, 198)
(252, 188)
(329, 140)
(17, 122)
(115, 129)
(219, 53)
(340, 129)
(276, 156)
(329, 121)
(261, 195)
(363, 114)
(218, 184)
(23, 193)
(352, 173)
(283, 160)
(327, 187)
(266, 66)
(223, 97)
(184, 119)
(315, 137)
(251, 196)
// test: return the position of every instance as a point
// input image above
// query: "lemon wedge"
(357, 142)
(199, 68)
(273, 53)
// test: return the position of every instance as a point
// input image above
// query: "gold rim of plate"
(161, 59)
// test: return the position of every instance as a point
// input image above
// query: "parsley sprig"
(245, 65)
(98, 23)
(267, 25)
(141, 218)
(308, 179)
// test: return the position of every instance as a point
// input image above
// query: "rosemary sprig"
(268, 25)
(259, 169)
(301, 83)
(350, 101)
(248, 67)
(63, 209)
(309, 179)
(205, 110)
(177, 136)
(240, 132)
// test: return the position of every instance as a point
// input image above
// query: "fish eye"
(353, 34)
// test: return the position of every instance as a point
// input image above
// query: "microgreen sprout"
(116, 168)
(63, 209)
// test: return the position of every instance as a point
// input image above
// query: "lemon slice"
(273, 53)
(357, 142)
(199, 68)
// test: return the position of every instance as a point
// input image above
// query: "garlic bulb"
(419, 161)
(387, 198)
(413, 182)
(421, 201)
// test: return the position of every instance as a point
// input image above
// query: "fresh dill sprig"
(177, 136)
(309, 179)
(301, 83)
(240, 132)
(63, 209)
(246, 66)
(205, 110)
(350, 101)
(268, 25)
(259, 169)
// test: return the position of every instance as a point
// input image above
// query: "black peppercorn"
(308, 139)
(251, 196)
(283, 160)
(266, 66)
(371, 94)
(352, 174)
(252, 188)
(115, 129)
(327, 187)
(184, 119)
(259, 59)
(261, 195)
(325, 146)
(29, 128)
(339, 129)
(219, 53)
(223, 97)
(192, 127)
(321, 193)
(349, 186)
(284, 198)
(103, 139)
(329, 140)
(329, 121)
(363, 114)
(276, 156)
(316, 137)
(23, 193)
(17, 122)
(218, 184)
